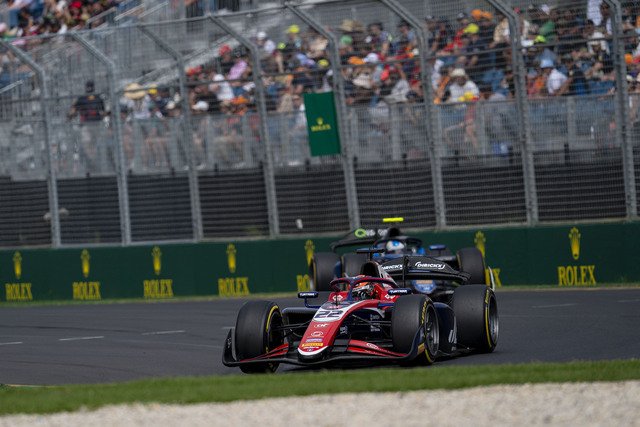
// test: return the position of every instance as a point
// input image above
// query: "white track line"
(11, 343)
(629, 300)
(554, 305)
(164, 332)
(81, 338)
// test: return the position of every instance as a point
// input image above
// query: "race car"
(326, 266)
(369, 319)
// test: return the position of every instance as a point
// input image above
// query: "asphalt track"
(118, 342)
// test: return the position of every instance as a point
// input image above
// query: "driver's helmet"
(363, 290)
(394, 247)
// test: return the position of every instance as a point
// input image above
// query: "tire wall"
(568, 255)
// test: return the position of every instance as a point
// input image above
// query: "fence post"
(432, 140)
(524, 134)
(341, 109)
(623, 121)
(194, 188)
(121, 170)
(50, 159)
(269, 174)
(572, 131)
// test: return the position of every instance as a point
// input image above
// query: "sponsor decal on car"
(308, 294)
(392, 267)
(313, 340)
(311, 345)
(321, 325)
(329, 315)
(317, 334)
(432, 266)
(373, 346)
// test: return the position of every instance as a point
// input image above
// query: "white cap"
(261, 35)
(201, 106)
(546, 63)
(372, 58)
(458, 72)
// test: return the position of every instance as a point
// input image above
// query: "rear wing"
(411, 267)
(369, 236)
(359, 237)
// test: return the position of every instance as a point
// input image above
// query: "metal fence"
(451, 114)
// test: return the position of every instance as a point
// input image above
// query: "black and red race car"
(369, 319)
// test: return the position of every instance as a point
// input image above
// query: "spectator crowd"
(35, 17)
(567, 50)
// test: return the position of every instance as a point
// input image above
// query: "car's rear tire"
(410, 314)
(352, 264)
(471, 261)
(258, 331)
(321, 270)
(476, 310)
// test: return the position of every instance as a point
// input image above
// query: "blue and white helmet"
(394, 247)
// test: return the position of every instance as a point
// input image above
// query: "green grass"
(236, 387)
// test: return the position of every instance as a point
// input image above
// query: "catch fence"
(450, 114)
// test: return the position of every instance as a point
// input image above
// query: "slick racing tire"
(352, 264)
(321, 270)
(412, 313)
(476, 311)
(471, 261)
(258, 331)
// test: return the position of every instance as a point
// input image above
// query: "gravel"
(568, 404)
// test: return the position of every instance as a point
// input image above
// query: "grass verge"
(236, 387)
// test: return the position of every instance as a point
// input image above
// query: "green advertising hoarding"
(322, 124)
(580, 255)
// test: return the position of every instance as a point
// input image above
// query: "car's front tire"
(412, 313)
(471, 261)
(352, 264)
(476, 311)
(258, 331)
(321, 270)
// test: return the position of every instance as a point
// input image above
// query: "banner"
(572, 255)
(322, 124)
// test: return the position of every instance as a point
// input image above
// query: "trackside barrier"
(578, 255)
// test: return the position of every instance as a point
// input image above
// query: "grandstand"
(135, 121)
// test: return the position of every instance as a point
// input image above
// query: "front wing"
(343, 352)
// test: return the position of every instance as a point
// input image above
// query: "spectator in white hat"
(265, 44)
(556, 81)
(462, 88)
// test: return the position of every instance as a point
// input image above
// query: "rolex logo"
(480, 241)
(574, 239)
(320, 121)
(156, 254)
(231, 257)
(17, 265)
(309, 248)
(85, 259)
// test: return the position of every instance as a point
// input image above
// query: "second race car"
(326, 266)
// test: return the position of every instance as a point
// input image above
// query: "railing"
(195, 128)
